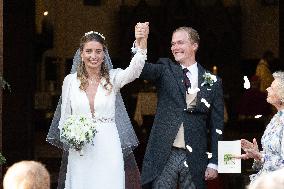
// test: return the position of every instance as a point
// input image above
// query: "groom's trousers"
(175, 172)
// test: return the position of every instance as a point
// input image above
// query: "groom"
(182, 147)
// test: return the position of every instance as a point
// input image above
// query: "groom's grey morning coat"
(171, 112)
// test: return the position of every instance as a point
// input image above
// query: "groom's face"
(182, 47)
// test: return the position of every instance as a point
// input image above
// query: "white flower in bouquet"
(77, 131)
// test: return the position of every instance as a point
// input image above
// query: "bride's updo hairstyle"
(81, 71)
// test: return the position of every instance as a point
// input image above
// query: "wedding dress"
(99, 166)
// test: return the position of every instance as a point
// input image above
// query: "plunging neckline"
(94, 100)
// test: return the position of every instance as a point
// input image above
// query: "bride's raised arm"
(133, 71)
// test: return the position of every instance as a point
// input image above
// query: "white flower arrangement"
(94, 32)
(77, 131)
(209, 79)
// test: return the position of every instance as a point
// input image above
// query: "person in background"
(271, 157)
(253, 101)
(273, 180)
(263, 70)
(27, 175)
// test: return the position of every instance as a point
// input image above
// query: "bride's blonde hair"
(82, 74)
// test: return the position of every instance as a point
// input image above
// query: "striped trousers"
(175, 172)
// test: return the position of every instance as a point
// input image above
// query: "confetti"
(209, 155)
(205, 102)
(189, 148)
(257, 116)
(193, 91)
(219, 131)
(246, 83)
(185, 164)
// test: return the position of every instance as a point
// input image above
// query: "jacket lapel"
(201, 72)
(178, 75)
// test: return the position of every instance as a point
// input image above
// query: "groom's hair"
(192, 33)
(27, 175)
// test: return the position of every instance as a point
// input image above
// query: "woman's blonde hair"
(81, 70)
(279, 76)
(27, 175)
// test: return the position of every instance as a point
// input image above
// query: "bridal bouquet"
(77, 131)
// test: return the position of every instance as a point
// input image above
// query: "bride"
(93, 91)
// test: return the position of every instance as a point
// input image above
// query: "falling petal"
(246, 83)
(193, 91)
(258, 116)
(205, 102)
(189, 148)
(219, 131)
(185, 164)
(209, 155)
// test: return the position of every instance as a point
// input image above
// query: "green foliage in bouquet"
(4, 84)
(2, 159)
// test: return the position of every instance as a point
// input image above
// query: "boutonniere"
(209, 79)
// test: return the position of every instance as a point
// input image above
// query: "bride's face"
(93, 55)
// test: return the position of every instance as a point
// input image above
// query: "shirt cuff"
(213, 166)
(134, 48)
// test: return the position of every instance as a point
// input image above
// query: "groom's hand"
(141, 34)
(210, 174)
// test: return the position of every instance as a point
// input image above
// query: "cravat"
(186, 79)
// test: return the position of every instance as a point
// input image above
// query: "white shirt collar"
(193, 69)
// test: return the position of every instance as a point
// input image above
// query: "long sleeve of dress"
(66, 104)
(133, 71)
(273, 146)
(274, 158)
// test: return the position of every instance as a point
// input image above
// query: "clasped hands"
(141, 34)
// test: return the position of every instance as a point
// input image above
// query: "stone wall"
(71, 19)
(260, 29)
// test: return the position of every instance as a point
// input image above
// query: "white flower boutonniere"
(209, 79)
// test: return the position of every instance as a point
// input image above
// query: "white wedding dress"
(101, 165)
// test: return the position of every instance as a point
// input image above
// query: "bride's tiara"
(94, 32)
